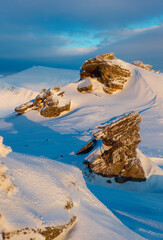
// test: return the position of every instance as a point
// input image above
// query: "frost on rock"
(103, 69)
(50, 103)
(116, 153)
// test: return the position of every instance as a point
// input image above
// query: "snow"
(43, 188)
(4, 150)
(63, 101)
(12, 97)
(41, 148)
(24, 86)
(149, 167)
(85, 83)
(39, 77)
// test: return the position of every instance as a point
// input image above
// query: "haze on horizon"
(60, 33)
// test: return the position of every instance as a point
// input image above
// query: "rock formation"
(85, 86)
(117, 156)
(145, 66)
(103, 69)
(50, 103)
(47, 233)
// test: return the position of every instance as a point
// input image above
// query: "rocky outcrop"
(50, 103)
(85, 85)
(142, 65)
(24, 107)
(116, 155)
(103, 69)
(47, 233)
(145, 66)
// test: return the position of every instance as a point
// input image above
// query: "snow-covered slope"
(12, 96)
(48, 193)
(38, 77)
(138, 205)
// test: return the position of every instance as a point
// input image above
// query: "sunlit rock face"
(103, 69)
(50, 103)
(115, 154)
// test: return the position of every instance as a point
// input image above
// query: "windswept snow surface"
(139, 206)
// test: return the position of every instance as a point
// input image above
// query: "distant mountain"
(39, 77)
(12, 96)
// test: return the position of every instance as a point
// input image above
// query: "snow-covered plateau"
(46, 192)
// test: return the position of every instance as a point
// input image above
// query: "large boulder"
(85, 85)
(103, 69)
(54, 108)
(116, 154)
(50, 103)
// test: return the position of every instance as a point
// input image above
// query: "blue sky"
(64, 33)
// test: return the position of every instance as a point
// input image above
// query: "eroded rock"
(50, 103)
(116, 155)
(103, 69)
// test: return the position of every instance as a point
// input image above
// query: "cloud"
(143, 45)
(30, 45)
(59, 15)
(75, 51)
(39, 29)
